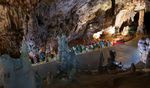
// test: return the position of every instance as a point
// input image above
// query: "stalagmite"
(67, 58)
(16, 73)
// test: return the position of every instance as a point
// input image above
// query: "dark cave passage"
(136, 19)
(147, 22)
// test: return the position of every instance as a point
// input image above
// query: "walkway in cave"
(126, 54)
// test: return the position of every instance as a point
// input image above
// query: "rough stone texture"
(147, 5)
(16, 73)
(42, 20)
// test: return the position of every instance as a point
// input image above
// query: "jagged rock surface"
(42, 20)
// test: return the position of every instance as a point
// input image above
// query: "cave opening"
(146, 23)
(135, 22)
(132, 24)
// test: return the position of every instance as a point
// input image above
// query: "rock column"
(141, 7)
(141, 21)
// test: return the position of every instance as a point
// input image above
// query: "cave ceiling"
(43, 20)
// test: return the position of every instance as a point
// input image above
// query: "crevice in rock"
(146, 22)
(113, 2)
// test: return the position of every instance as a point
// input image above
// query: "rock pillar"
(141, 21)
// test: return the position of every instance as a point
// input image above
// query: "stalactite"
(41, 19)
(16, 12)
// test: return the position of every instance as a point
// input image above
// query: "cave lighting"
(97, 35)
(125, 31)
(111, 30)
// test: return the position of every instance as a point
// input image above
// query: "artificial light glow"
(125, 31)
(97, 35)
(111, 30)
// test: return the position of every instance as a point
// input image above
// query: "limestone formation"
(67, 58)
(16, 73)
(42, 20)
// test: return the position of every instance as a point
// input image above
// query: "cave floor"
(89, 61)
(126, 53)
(119, 80)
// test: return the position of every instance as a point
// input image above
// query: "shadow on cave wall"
(147, 23)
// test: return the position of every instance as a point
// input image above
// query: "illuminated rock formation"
(16, 73)
(42, 20)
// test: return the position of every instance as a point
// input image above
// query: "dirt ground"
(138, 79)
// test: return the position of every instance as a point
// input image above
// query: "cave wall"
(12, 25)
(41, 21)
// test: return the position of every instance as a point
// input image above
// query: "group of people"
(112, 64)
(92, 46)
(144, 48)
(40, 55)
(37, 56)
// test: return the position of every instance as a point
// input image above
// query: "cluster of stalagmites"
(40, 21)
(43, 20)
(16, 73)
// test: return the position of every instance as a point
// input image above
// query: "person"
(33, 57)
(101, 61)
(42, 54)
(112, 55)
(80, 48)
(87, 48)
(74, 49)
(142, 45)
(96, 45)
(111, 59)
(101, 43)
(108, 43)
(105, 44)
(133, 68)
(83, 48)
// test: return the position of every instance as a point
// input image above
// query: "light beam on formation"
(98, 34)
